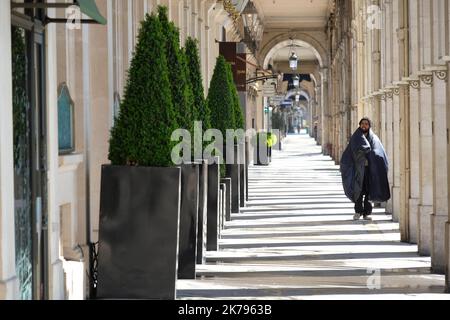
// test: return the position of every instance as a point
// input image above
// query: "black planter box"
(227, 182)
(262, 158)
(243, 175)
(188, 221)
(233, 171)
(212, 232)
(202, 213)
(247, 164)
(222, 208)
(138, 232)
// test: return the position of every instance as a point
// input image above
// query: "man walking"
(364, 168)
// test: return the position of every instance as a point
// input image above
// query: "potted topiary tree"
(183, 100)
(140, 190)
(202, 114)
(235, 171)
(263, 151)
(220, 103)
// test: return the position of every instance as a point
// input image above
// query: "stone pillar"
(440, 196)
(426, 164)
(414, 119)
(404, 112)
(447, 154)
(319, 114)
(56, 272)
(396, 155)
(426, 128)
(8, 281)
(325, 114)
(415, 186)
(389, 144)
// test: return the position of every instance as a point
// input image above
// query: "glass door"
(22, 162)
(30, 173)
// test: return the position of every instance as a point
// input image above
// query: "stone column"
(447, 154)
(176, 14)
(415, 158)
(325, 113)
(440, 196)
(8, 281)
(404, 112)
(389, 143)
(319, 114)
(396, 188)
(426, 163)
(425, 128)
(440, 125)
(414, 118)
(55, 270)
(215, 9)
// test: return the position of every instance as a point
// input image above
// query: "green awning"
(89, 8)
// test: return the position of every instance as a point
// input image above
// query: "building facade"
(384, 59)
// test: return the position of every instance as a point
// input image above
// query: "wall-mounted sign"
(238, 63)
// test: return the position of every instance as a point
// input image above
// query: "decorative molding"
(389, 93)
(441, 74)
(426, 77)
(415, 84)
(396, 91)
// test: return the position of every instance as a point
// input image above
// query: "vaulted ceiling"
(308, 14)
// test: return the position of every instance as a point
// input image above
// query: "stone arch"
(294, 92)
(301, 39)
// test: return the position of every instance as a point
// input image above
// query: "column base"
(425, 230)
(388, 207)
(9, 289)
(447, 256)
(57, 286)
(413, 220)
(396, 204)
(438, 222)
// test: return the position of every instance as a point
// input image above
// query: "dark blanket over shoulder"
(353, 164)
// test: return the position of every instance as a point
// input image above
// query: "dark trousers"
(364, 197)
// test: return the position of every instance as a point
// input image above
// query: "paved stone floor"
(296, 240)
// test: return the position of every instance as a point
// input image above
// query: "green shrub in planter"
(140, 193)
(239, 122)
(141, 135)
(182, 96)
(202, 112)
(220, 101)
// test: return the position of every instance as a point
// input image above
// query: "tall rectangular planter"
(247, 164)
(222, 208)
(202, 213)
(212, 232)
(188, 221)
(243, 175)
(233, 172)
(227, 182)
(262, 158)
(138, 232)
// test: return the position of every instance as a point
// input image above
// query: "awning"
(88, 7)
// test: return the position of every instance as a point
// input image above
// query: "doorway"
(30, 153)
